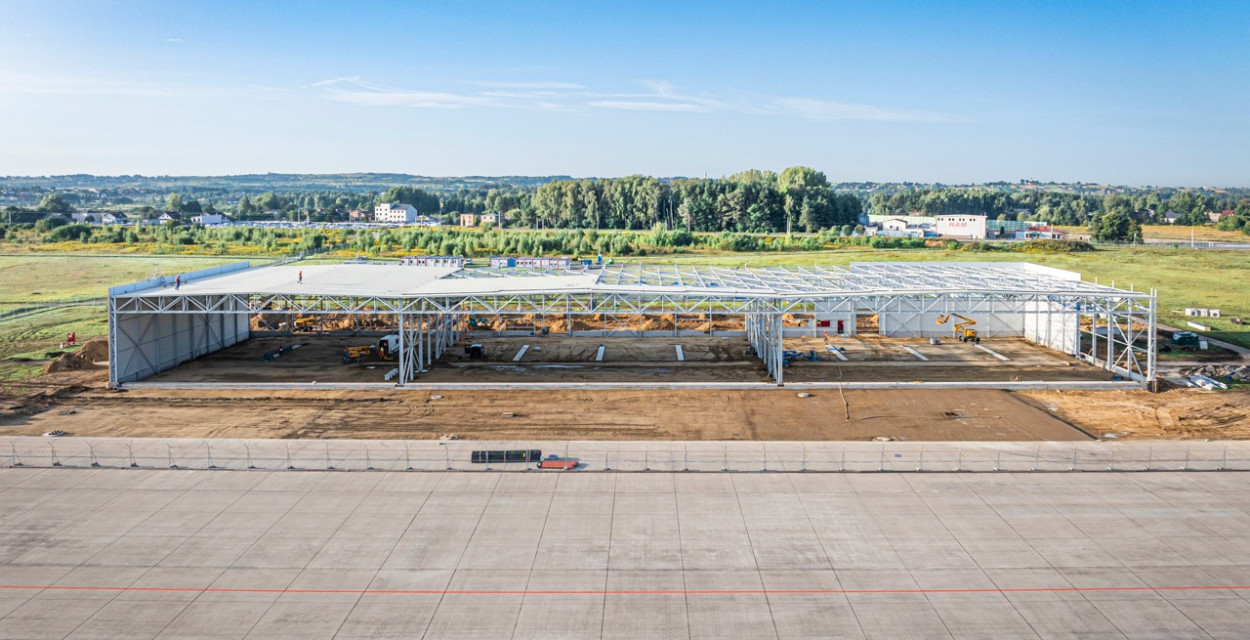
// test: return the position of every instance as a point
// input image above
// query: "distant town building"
(1171, 217)
(209, 218)
(468, 219)
(489, 218)
(360, 215)
(961, 226)
(114, 218)
(400, 213)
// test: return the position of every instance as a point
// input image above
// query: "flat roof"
(403, 281)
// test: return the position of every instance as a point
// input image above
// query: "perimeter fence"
(814, 457)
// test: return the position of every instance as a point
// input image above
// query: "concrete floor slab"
(523, 555)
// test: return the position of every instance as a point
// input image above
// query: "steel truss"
(1118, 321)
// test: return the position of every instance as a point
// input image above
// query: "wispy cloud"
(825, 110)
(81, 86)
(648, 105)
(553, 86)
(174, 40)
(355, 91)
(657, 96)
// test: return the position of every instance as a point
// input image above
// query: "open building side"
(155, 327)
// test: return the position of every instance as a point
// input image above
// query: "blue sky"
(1123, 92)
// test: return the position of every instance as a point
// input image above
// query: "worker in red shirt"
(70, 338)
(301, 277)
(178, 282)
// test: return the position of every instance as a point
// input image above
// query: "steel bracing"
(1106, 326)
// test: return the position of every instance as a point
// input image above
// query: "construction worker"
(177, 282)
(301, 277)
(70, 338)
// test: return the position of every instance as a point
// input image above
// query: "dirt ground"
(1173, 414)
(650, 359)
(80, 403)
(88, 408)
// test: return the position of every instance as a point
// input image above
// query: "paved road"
(102, 553)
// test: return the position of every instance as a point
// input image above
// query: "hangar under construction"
(158, 324)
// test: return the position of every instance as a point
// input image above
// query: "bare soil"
(79, 402)
(319, 358)
(770, 414)
(1173, 414)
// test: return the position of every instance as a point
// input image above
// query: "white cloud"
(648, 105)
(66, 85)
(659, 96)
(354, 91)
(554, 86)
(824, 110)
(175, 40)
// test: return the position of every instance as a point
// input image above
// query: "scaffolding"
(155, 325)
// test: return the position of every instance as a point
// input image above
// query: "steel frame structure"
(1100, 324)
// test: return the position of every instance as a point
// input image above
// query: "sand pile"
(92, 351)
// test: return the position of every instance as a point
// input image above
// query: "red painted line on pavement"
(613, 592)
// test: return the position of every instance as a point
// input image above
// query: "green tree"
(54, 202)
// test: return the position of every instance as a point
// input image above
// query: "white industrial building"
(960, 226)
(154, 326)
(395, 213)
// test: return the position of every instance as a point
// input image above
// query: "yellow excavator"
(964, 329)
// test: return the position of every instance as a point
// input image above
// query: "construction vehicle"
(789, 356)
(305, 323)
(1184, 339)
(385, 348)
(963, 330)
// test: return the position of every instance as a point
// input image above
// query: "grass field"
(27, 282)
(1179, 233)
(44, 278)
(1183, 277)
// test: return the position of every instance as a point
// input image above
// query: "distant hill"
(262, 182)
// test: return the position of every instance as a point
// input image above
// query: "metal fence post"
(1111, 465)
(1037, 453)
(368, 460)
(646, 465)
(13, 451)
(247, 451)
(725, 453)
(685, 457)
(56, 462)
(209, 449)
(407, 457)
(920, 466)
(842, 466)
(1186, 466)
(289, 466)
(130, 453)
(329, 466)
(91, 455)
(998, 459)
(881, 460)
(959, 460)
(607, 466)
(803, 461)
(764, 464)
